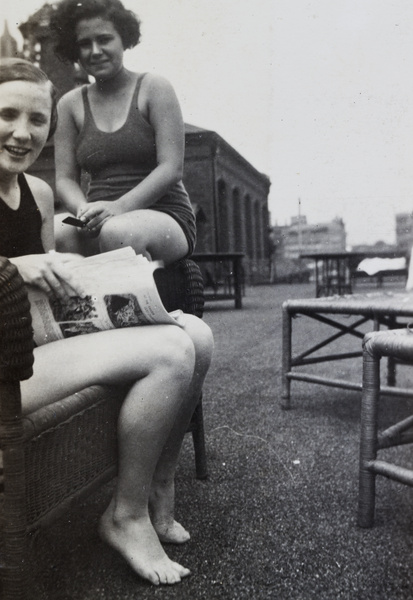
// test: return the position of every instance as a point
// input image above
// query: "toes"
(168, 577)
(183, 571)
(153, 577)
(171, 573)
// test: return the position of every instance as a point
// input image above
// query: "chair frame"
(396, 344)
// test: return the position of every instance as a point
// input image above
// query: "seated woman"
(126, 130)
(164, 366)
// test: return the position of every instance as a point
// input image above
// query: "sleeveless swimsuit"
(20, 230)
(117, 161)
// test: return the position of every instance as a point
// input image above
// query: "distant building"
(288, 242)
(404, 232)
(377, 248)
(8, 45)
(38, 48)
(302, 238)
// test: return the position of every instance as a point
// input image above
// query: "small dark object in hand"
(73, 221)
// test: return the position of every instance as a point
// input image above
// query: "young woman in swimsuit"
(126, 131)
(163, 366)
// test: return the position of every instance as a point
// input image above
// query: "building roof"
(195, 129)
(195, 135)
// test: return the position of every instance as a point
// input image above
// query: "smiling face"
(100, 47)
(25, 112)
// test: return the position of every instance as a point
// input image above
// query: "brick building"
(404, 232)
(230, 198)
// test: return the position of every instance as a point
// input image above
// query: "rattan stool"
(397, 344)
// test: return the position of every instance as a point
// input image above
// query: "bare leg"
(159, 363)
(162, 498)
(147, 231)
(126, 524)
(73, 239)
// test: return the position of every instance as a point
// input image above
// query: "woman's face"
(100, 47)
(25, 112)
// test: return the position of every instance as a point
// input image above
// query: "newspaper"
(119, 291)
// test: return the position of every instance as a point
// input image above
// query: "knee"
(177, 352)
(112, 235)
(202, 338)
(116, 233)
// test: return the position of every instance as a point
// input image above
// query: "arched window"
(223, 221)
(249, 227)
(239, 221)
(258, 230)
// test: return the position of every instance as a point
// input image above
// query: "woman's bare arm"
(67, 170)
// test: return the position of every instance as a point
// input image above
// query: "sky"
(316, 94)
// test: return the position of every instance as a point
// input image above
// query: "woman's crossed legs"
(160, 364)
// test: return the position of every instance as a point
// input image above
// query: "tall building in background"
(404, 232)
(8, 45)
(288, 242)
(303, 238)
(38, 48)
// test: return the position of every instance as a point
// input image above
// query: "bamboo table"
(382, 309)
(233, 288)
(336, 271)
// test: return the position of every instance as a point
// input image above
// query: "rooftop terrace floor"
(276, 518)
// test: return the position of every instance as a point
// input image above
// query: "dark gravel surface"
(276, 518)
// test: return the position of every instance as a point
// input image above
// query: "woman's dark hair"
(68, 13)
(18, 69)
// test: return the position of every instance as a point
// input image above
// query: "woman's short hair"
(68, 13)
(19, 69)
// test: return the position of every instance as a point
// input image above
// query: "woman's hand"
(97, 213)
(51, 273)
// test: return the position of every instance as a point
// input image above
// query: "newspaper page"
(120, 291)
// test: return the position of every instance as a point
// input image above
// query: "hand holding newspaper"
(120, 291)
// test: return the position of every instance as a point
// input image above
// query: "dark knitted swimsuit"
(117, 161)
(20, 230)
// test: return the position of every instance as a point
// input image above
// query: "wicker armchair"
(66, 450)
(397, 344)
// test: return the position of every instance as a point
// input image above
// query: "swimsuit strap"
(133, 104)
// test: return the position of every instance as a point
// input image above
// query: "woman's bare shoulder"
(42, 192)
(72, 100)
(156, 83)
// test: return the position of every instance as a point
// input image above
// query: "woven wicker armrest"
(16, 336)
(395, 342)
(61, 411)
(181, 285)
(16, 361)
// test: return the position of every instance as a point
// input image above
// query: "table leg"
(236, 265)
(368, 439)
(391, 362)
(286, 357)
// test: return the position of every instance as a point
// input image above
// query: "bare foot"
(138, 543)
(161, 506)
(171, 533)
